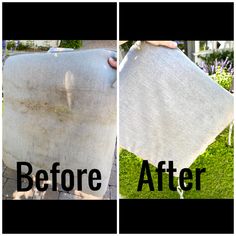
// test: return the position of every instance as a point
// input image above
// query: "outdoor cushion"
(170, 110)
(61, 107)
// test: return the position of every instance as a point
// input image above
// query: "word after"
(184, 174)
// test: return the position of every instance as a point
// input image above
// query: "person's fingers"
(112, 62)
(169, 44)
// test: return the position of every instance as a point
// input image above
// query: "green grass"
(217, 182)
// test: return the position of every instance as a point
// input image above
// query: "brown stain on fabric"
(60, 111)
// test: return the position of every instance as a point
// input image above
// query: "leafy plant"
(11, 44)
(22, 47)
(209, 59)
(203, 45)
(17, 45)
(126, 46)
(222, 64)
(220, 71)
(71, 43)
(43, 48)
(223, 78)
(181, 45)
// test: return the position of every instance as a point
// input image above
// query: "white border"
(118, 122)
(30, 213)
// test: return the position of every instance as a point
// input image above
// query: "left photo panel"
(59, 117)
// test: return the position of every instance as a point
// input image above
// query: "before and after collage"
(124, 118)
(57, 97)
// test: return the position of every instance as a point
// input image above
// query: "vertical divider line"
(234, 137)
(117, 108)
(1, 126)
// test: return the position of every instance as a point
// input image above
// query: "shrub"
(127, 45)
(43, 48)
(209, 59)
(203, 46)
(22, 47)
(223, 78)
(222, 64)
(71, 43)
(181, 45)
(11, 44)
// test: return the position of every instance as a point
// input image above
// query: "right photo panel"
(176, 118)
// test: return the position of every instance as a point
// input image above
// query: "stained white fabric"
(170, 110)
(61, 107)
(54, 50)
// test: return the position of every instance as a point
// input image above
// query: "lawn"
(217, 182)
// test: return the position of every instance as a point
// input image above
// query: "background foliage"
(71, 44)
(218, 55)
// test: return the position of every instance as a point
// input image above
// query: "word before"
(185, 174)
(42, 175)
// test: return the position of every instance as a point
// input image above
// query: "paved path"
(9, 189)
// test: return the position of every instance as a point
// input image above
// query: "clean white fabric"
(170, 110)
